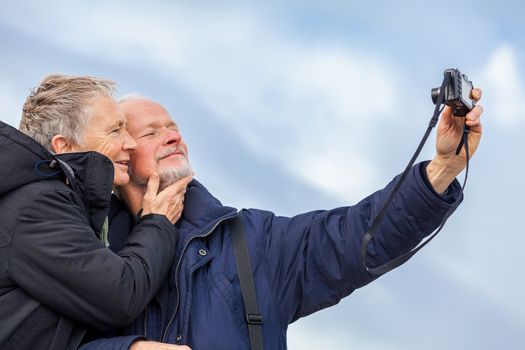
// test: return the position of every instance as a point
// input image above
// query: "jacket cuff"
(162, 219)
(452, 192)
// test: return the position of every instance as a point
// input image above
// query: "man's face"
(160, 147)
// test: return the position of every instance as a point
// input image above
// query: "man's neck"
(132, 195)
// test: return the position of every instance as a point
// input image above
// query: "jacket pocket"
(217, 308)
(233, 298)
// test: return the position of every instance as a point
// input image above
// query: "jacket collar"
(202, 211)
(90, 174)
(25, 161)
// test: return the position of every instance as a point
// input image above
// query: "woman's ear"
(61, 144)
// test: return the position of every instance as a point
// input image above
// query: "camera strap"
(392, 264)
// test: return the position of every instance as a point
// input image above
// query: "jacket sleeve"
(57, 258)
(313, 260)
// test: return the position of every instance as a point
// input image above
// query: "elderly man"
(56, 274)
(301, 264)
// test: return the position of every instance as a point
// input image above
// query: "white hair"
(132, 96)
(60, 105)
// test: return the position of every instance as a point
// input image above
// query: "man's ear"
(61, 144)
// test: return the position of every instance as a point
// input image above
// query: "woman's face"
(106, 133)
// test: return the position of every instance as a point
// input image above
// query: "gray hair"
(61, 105)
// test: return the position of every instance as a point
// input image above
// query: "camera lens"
(435, 94)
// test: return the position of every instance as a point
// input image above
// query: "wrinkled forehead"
(141, 112)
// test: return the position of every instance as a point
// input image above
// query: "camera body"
(457, 93)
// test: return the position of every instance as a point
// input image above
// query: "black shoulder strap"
(249, 296)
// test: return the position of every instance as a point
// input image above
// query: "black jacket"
(56, 276)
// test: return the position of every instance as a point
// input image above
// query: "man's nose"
(172, 137)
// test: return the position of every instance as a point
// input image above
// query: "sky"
(292, 106)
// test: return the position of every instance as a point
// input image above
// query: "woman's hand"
(168, 202)
(153, 345)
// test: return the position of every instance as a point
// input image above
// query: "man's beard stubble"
(171, 175)
(167, 176)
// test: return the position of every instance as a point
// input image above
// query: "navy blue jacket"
(301, 264)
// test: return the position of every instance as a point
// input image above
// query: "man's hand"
(446, 165)
(153, 345)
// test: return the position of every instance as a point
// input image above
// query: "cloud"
(307, 336)
(334, 98)
(310, 108)
(505, 90)
(305, 106)
(9, 109)
(482, 277)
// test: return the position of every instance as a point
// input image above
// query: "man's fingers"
(476, 93)
(474, 116)
(446, 118)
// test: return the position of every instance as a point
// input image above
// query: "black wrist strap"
(392, 264)
(244, 268)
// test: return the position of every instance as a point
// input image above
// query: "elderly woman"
(57, 276)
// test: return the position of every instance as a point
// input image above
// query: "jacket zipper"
(177, 273)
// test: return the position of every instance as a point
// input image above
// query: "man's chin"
(169, 176)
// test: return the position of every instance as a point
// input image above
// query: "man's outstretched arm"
(446, 165)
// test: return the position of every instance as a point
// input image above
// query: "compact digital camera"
(457, 93)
